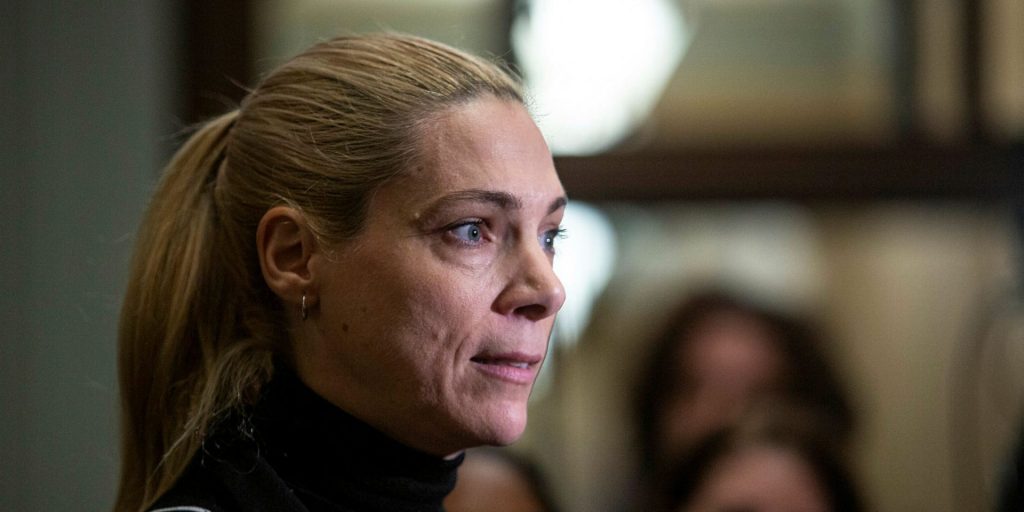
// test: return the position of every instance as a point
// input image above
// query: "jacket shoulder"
(195, 491)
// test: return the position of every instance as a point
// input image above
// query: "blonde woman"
(339, 287)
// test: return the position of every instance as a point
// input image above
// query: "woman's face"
(433, 322)
(761, 479)
(731, 361)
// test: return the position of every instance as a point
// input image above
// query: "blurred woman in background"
(718, 356)
(773, 459)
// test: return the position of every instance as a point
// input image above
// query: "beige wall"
(910, 288)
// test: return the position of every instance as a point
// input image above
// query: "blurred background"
(858, 164)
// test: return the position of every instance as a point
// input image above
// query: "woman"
(716, 357)
(773, 459)
(340, 286)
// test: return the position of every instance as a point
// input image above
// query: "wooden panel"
(983, 172)
(217, 56)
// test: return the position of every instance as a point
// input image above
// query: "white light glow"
(584, 264)
(595, 68)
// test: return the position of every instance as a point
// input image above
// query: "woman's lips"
(517, 368)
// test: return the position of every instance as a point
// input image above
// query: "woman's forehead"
(485, 147)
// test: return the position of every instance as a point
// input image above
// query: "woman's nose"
(533, 291)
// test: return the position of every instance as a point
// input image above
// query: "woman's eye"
(470, 232)
(547, 240)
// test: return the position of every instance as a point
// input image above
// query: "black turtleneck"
(297, 452)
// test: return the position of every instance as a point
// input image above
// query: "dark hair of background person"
(808, 378)
(773, 426)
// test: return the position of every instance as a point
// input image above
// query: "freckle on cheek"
(344, 327)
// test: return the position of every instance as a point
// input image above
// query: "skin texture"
(760, 479)
(415, 324)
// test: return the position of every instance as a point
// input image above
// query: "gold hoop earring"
(304, 312)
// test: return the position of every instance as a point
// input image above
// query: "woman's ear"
(285, 245)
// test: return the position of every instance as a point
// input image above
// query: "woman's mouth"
(516, 368)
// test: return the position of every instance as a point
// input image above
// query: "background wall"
(86, 93)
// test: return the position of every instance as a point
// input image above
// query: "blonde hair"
(200, 329)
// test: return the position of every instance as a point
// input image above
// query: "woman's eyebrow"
(503, 200)
(431, 213)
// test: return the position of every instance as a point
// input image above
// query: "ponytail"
(177, 322)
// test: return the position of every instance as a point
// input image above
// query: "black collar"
(333, 461)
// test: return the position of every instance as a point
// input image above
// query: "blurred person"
(774, 459)
(716, 356)
(339, 287)
(496, 480)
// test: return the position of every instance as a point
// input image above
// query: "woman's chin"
(504, 426)
(508, 436)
